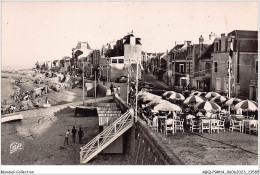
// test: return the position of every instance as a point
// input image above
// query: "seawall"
(142, 146)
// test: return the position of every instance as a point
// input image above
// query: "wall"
(247, 62)
(222, 60)
(144, 147)
(132, 52)
(101, 90)
(90, 88)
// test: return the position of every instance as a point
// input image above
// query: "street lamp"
(83, 84)
(107, 68)
(97, 69)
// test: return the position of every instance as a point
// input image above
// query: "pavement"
(149, 77)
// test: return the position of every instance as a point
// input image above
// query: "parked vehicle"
(122, 79)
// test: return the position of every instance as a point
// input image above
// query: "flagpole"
(230, 70)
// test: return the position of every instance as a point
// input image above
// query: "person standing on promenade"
(80, 134)
(112, 88)
(118, 90)
(74, 131)
(115, 89)
(67, 133)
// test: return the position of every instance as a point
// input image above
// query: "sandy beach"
(42, 134)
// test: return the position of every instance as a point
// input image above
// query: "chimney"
(201, 39)
(223, 42)
(176, 43)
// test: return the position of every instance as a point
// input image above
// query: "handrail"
(101, 140)
(109, 127)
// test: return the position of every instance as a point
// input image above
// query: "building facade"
(244, 63)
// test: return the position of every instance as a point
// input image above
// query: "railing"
(106, 137)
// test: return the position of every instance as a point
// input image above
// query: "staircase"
(106, 137)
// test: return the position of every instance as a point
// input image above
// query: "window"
(114, 60)
(215, 66)
(120, 60)
(217, 47)
(256, 67)
(181, 68)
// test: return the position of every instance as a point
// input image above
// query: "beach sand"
(42, 134)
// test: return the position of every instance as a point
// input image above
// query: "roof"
(178, 46)
(207, 53)
(164, 55)
(244, 33)
(137, 40)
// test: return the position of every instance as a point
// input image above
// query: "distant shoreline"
(15, 68)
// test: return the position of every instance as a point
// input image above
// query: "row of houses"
(113, 60)
(204, 65)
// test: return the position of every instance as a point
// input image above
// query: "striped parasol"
(193, 99)
(211, 95)
(202, 94)
(148, 97)
(195, 93)
(176, 96)
(232, 101)
(219, 99)
(166, 106)
(167, 94)
(247, 105)
(207, 106)
(155, 102)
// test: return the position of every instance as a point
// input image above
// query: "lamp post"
(83, 83)
(97, 69)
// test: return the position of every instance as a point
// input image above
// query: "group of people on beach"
(74, 132)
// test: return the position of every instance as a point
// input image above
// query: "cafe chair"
(214, 126)
(154, 124)
(178, 125)
(221, 125)
(205, 125)
(235, 125)
(168, 126)
(251, 126)
(194, 125)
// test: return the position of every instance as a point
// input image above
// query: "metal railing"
(106, 137)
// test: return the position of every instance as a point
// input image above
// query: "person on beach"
(67, 133)
(80, 135)
(46, 100)
(74, 131)
(37, 104)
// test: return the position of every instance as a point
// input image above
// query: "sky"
(39, 31)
